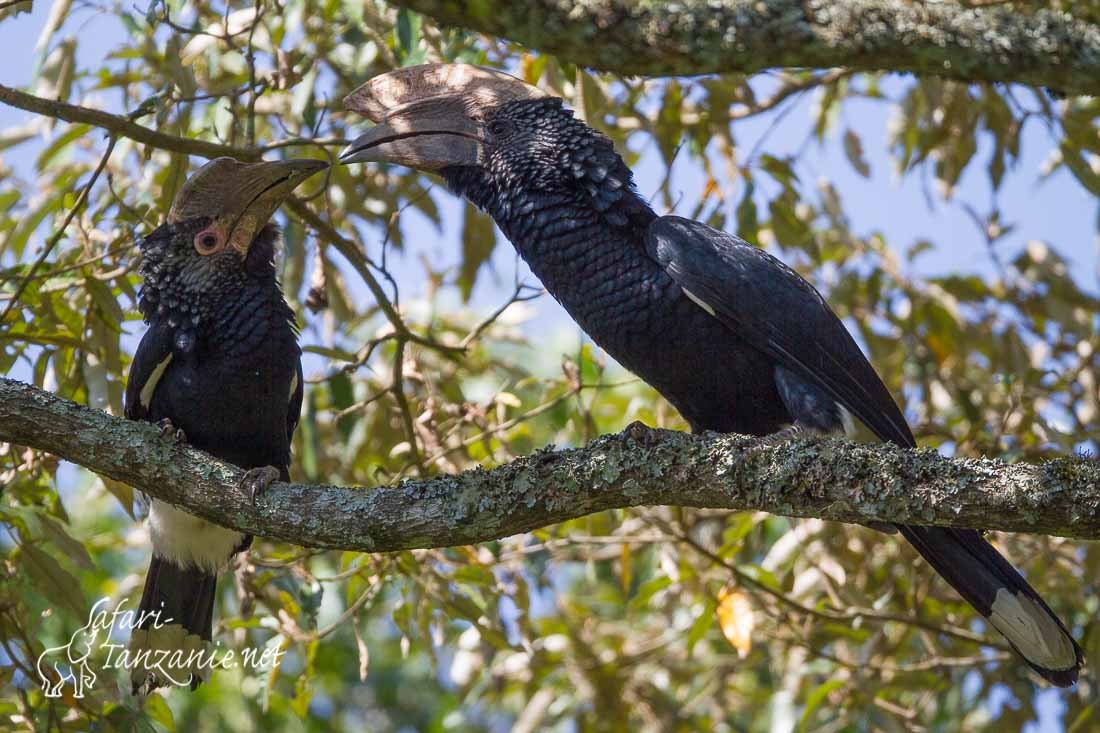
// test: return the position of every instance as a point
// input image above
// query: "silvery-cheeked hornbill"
(732, 337)
(219, 367)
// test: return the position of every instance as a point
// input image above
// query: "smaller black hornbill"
(219, 367)
(731, 336)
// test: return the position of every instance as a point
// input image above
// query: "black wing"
(777, 311)
(153, 357)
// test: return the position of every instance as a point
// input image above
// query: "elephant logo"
(71, 662)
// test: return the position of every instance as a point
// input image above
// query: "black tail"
(173, 626)
(993, 587)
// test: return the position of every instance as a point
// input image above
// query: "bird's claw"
(168, 431)
(639, 432)
(257, 480)
(782, 436)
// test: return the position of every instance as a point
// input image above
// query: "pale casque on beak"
(240, 196)
(428, 117)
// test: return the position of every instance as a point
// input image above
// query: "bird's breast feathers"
(189, 541)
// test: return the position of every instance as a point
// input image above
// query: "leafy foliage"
(663, 618)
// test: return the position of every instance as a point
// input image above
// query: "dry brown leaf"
(736, 619)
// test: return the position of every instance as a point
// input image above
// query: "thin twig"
(824, 613)
(358, 260)
(402, 401)
(250, 115)
(121, 126)
(52, 242)
(77, 265)
(516, 297)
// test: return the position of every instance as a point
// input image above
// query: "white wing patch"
(698, 301)
(146, 396)
(293, 386)
(1032, 630)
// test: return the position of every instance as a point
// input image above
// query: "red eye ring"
(209, 241)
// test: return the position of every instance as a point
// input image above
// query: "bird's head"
(218, 233)
(494, 138)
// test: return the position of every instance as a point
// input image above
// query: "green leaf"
(106, 303)
(478, 241)
(61, 143)
(760, 575)
(1080, 723)
(408, 36)
(670, 125)
(132, 25)
(53, 581)
(303, 683)
(64, 542)
(748, 225)
(779, 169)
(853, 148)
(814, 700)
(334, 353)
(271, 674)
(737, 529)
(964, 287)
(702, 624)
(353, 9)
(157, 709)
(790, 230)
(1081, 170)
(647, 590)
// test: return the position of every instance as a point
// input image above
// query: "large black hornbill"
(220, 367)
(731, 336)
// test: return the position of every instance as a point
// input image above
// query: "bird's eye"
(499, 128)
(209, 241)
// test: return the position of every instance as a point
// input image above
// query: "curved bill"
(429, 116)
(245, 194)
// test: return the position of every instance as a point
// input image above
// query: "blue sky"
(1058, 210)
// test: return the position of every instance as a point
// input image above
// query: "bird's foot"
(782, 436)
(257, 480)
(168, 431)
(639, 432)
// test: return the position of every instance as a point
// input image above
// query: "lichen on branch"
(828, 478)
(995, 43)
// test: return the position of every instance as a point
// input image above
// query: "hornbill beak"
(429, 117)
(242, 196)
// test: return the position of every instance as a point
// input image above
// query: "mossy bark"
(807, 477)
(995, 43)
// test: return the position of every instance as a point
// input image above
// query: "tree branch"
(811, 477)
(990, 44)
(120, 126)
(126, 127)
